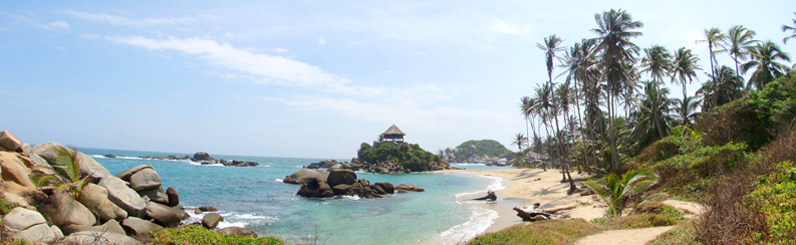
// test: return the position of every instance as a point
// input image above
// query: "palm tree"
(519, 140)
(616, 191)
(789, 28)
(713, 37)
(737, 43)
(526, 103)
(764, 58)
(687, 112)
(653, 114)
(684, 68)
(550, 47)
(721, 89)
(617, 53)
(657, 62)
(579, 68)
(67, 173)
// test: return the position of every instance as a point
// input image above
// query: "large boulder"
(13, 169)
(202, 156)
(315, 188)
(98, 238)
(341, 189)
(95, 198)
(211, 220)
(21, 219)
(125, 175)
(111, 226)
(135, 226)
(123, 196)
(240, 163)
(387, 187)
(341, 176)
(39, 164)
(10, 141)
(174, 197)
(88, 166)
(237, 231)
(164, 215)
(40, 233)
(155, 195)
(57, 232)
(64, 210)
(146, 179)
(20, 195)
(304, 175)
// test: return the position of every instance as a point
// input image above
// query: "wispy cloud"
(57, 25)
(125, 21)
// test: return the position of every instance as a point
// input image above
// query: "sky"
(309, 79)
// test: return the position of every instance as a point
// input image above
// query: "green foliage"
(686, 174)
(194, 234)
(411, 156)
(640, 220)
(754, 120)
(566, 231)
(67, 173)
(683, 233)
(615, 191)
(6, 206)
(774, 196)
(486, 147)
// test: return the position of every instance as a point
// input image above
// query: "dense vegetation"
(410, 156)
(485, 147)
(194, 234)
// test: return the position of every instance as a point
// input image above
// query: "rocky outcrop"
(40, 233)
(303, 176)
(408, 187)
(98, 238)
(10, 141)
(146, 179)
(204, 158)
(345, 182)
(123, 196)
(20, 219)
(164, 215)
(240, 163)
(64, 210)
(237, 231)
(14, 169)
(126, 174)
(112, 226)
(207, 209)
(315, 188)
(173, 196)
(135, 226)
(88, 166)
(341, 176)
(95, 198)
(211, 220)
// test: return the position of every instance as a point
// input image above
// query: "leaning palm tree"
(684, 67)
(687, 113)
(713, 37)
(737, 43)
(551, 45)
(789, 28)
(67, 173)
(615, 192)
(617, 53)
(764, 57)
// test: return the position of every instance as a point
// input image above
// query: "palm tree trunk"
(580, 120)
(611, 112)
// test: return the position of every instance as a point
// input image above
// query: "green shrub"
(640, 220)
(6, 206)
(774, 197)
(194, 234)
(686, 174)
(566, 231)
(484, 147)
(411, 156)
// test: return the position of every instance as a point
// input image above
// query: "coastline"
(524, 187)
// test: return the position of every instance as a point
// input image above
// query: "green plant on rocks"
(67, 173)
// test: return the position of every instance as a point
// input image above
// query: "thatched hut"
(393, 134)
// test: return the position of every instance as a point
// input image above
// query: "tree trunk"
(611, 112)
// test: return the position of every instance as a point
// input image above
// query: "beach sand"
(528, 186)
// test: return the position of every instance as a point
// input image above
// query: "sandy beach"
(524, 187)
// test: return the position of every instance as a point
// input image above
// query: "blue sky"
(306, 78)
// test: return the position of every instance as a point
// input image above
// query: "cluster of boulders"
(109, 208)
(205, 159)
(388, 167)
(316, 183)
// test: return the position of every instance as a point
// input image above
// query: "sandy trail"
(624, 237)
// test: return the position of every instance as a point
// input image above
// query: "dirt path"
(624, 237)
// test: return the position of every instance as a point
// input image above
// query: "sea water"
(256, 198)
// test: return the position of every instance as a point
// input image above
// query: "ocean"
(256, 198)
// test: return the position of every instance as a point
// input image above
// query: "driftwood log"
(536, 214)
(489, 195)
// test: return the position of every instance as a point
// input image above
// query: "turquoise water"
(256, 198)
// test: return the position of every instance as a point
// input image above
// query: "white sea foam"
(468, 164)
(279, 180)
(479, 221)
(495, 186)
(234, 219)
(350, 197)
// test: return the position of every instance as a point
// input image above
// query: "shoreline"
(524, 187)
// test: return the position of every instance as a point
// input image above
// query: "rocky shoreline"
(201, 157)
(62, 195)
(338, 182)
(388, 167)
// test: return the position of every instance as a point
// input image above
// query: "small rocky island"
(316, 183)
(205, 159)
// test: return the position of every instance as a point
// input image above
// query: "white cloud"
(121, 20)
(58, 24)
(502, 27)
(321, 41)
(280, 50)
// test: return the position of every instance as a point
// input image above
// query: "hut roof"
(393, 130)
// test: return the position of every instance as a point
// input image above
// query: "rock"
(341, 189)
(40, 233)
(173, 196)
(401, 191)
(324, 164)
(39, 164)
(315, 188)
(207, 209)
(63, 210)
(408, 187)
(123, 196)
(237, 231)
(156, 195)
(13, 169)
(135, 226)
(418, 189)
(378, 189)
(341, 176)
(20, 195)
(304, 175)
(185, 215)
(202, 156)
(57, 232)
(125, 175)
(211, 220)
(363, 182)
(111, 226)
(146, 179)
(88, 166)
(240, 163)
(109, 155)
(164, 215)
(21, 219)
(10, 141)
(98, 238)
(197, 211)
(95, 198)
(387, 187)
